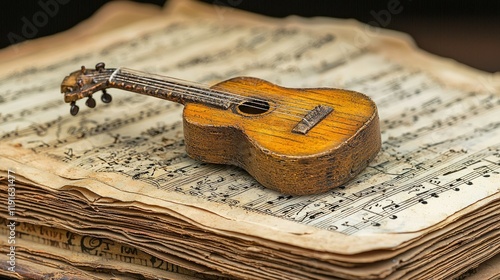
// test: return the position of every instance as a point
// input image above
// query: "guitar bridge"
(312, 118)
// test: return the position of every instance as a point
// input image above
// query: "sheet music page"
(440, 125)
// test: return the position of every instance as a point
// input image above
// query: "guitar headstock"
(85, 82)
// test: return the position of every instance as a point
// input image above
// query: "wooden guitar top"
(295, 141)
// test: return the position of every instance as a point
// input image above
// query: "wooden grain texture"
(331, 153)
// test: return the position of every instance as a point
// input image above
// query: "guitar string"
(217, 96)
(322, 128)
(284, 115)
(282, 112)
(200, 92)
(202, 89)
(318, 129)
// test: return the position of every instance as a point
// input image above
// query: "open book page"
(440, 157)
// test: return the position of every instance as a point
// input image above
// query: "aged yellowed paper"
(436, 176)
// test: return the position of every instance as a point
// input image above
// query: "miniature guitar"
(295, 141)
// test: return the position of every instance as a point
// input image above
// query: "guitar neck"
(168, 88)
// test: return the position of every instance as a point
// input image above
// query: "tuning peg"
(99, 66)
(79, 82)
(90, 102)
(106, 97)
(83, 69)
(74, 108)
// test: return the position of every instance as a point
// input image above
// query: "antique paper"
(438, 170)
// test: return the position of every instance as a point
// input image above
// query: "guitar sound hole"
(254, 107)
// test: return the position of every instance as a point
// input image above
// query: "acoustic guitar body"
(295, 141)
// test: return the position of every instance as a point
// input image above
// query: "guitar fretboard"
(171, 89)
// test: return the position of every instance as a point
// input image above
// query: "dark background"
(467, 31)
